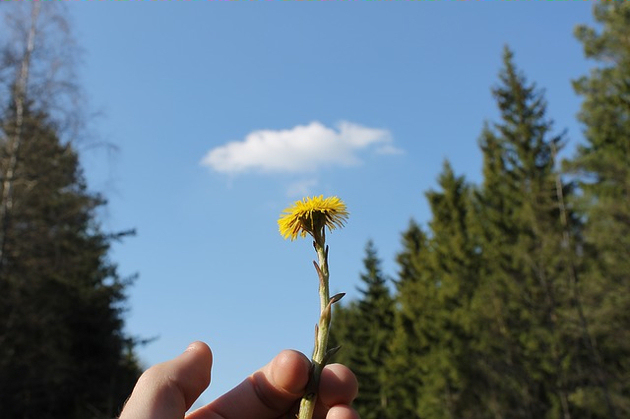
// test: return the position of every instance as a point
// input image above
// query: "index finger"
(267, 394)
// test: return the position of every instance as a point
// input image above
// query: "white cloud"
(304, 148)
(389, 149)
(301, 188)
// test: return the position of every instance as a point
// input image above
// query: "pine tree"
(430, 358)
(449, 386)
(62, 350)
(602, 167)
(365, 330)
(523, 296)
(413, 327)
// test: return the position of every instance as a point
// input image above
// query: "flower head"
(312, 215)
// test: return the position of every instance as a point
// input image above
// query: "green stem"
(307, 405)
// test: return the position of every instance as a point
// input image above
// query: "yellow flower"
(312, 215)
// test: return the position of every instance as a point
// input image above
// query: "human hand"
(167, 390)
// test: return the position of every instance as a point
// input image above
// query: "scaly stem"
(307, 405)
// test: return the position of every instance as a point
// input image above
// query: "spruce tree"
(63, 352)
(525, 355)
(62, 349)
(431, 356)
(602, 168)
(364, 329)
(449, 385)
(414, 332)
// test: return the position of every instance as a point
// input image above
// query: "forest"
(63, 353)
(514, 300)
(511, 301)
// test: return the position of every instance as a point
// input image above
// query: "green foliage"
(523, 283)
(410, 342)
(453, 264)
(368, 324)
(62, 350)
(515, 301)
(63, 353)
(602, 168)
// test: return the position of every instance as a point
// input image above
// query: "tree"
(63, 352)
(414, 332)
(514, 303)
(449, 386)
(36, 70)
(602, 169)
(367, 328)
(523, 300)
(430, 358)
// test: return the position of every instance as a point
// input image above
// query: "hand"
(167, 390)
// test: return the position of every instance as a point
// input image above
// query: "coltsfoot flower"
(312, 215)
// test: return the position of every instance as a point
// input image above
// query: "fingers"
(267, 393)
(274, 390)
(337, 390)
(167, 390)
(338, 386)
(342, 412)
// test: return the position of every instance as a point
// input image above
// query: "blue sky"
(226, 112)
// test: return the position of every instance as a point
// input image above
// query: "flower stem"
(307, 405)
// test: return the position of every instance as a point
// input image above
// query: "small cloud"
(390, 150)
(304, 148)
(301, 188)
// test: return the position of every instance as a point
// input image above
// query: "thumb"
(167, 390)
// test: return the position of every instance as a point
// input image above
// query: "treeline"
(514, 300)
(63, 353)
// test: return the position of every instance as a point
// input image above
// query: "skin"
(167, 390)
